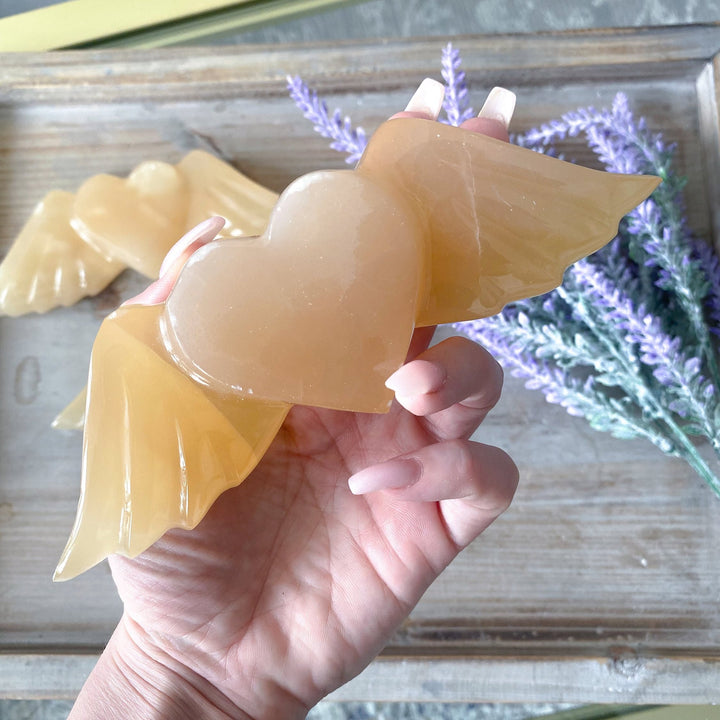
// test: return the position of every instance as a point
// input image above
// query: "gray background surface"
(422, 18)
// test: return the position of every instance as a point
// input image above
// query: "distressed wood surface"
(606, 563)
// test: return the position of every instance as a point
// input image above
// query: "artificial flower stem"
(645, 399)
(693, 457)
(706, 346)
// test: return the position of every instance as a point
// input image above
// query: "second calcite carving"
(74, 245)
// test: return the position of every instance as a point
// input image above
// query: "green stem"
(636, 388)
(693, 309)
(692, 456)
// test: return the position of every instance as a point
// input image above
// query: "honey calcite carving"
(216, 188)
(134, 218)
(502, 222)
(49, 265)
(139, 218)
(436, 224)
(319, 311)
(74, 245)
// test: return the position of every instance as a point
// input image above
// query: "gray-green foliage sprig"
(637, 319)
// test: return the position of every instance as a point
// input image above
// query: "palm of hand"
(293, 582)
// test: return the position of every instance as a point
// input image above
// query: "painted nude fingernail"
(428, 98)
(200, 235)
(500, 105)
(390, 475)
(204, 232)
(416, 378)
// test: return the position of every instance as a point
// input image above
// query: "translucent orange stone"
(501, 222)
(318, 311)
(133, 219)
(75, 245)
(158, 448)
(216, 188)
(49, 264)
(72, 416)
(138, 219)
(436, 225)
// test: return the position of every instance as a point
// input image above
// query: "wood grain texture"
(609, 553)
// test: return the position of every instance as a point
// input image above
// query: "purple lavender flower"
(345, 138)
(660, 242)
(710, 263)
(455, 103)
(685, 389)
(580, 398)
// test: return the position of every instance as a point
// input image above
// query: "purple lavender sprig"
(647, 305)
(627, 341)
(659, 242)
(586, 398)
(345, 138)
(456, 102)
(681, 385)
(710, 261)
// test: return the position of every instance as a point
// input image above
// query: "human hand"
(298, 577)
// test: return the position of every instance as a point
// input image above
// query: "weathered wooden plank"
(443, 679)
(626, 679)
(708, 92)
(355, 66)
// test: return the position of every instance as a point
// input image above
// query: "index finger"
(452, 386)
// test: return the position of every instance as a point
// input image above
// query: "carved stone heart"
(436, 225)
(311, 313)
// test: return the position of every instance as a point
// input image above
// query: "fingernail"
(416, 378)
(428, 98)
(205, 231)
(154, 294)
(390, 475)
(500, 105)
(157, 292)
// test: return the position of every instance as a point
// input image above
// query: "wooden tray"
(602, 583)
